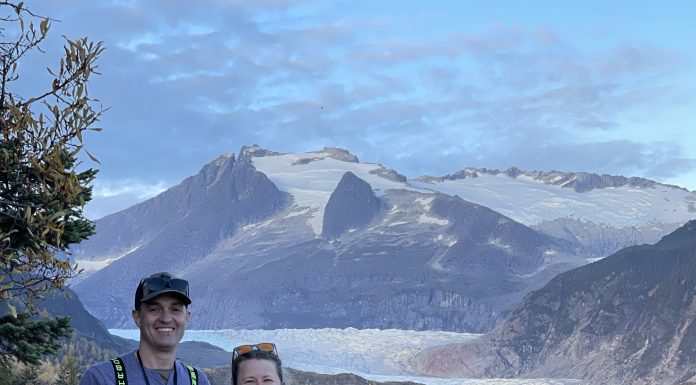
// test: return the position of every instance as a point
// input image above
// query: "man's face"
(162, 322)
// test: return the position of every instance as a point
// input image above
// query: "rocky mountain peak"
(389, 174)
(340, 154)
(578, 181)
(254, 150)
(215, 170)
(353, 204)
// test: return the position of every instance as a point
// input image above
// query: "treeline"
(63, 368)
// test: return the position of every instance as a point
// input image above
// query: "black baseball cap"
(161, 283)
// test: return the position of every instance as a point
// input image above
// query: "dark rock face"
(248, 152)
(476, 225)
(352, 205)
(332, 152)
(340, 154)
(390, 174)
(627, 319)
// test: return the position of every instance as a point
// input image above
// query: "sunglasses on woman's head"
(268, 347)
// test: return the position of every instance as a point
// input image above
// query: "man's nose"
(166, 315)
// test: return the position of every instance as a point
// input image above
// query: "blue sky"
(425, 88)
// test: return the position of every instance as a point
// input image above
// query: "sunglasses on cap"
(152, 286)
(267, 347)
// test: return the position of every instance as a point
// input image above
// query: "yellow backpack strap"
(119, 371)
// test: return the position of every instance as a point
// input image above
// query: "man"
(161, 313)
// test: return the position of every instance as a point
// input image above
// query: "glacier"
(374, 354)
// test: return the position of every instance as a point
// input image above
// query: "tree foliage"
(69, 372)
(43, 186)
(27, 341)
(42, 192)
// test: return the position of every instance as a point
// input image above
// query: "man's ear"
(136, 317)
(188, 315)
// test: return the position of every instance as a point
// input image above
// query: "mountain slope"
(391, 274)
(627, 319)
(171, 231)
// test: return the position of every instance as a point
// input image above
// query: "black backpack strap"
(193, 374)
(119, 371)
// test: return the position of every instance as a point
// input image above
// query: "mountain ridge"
(185, 223)
(579, 181)
(627, 319)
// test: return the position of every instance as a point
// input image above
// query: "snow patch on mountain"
(449, 241)
(300, 211)
(423, 218)
(532, 201)
(90, 266)
(311, 178)
(497, 242)
(426, 205)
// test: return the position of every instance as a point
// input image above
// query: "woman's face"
(261, 372)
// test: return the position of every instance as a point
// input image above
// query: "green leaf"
(13, 310)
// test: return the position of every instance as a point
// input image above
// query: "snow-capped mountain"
(319, 239)
(601, 213)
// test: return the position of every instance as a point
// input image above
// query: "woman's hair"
(257, 355)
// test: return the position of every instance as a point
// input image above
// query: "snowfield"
(377, 355)
(523, 199)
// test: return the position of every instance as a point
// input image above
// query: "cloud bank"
(188, 81)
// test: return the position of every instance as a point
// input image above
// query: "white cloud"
(133, 187)
(110, 196)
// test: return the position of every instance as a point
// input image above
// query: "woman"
(256, 365)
